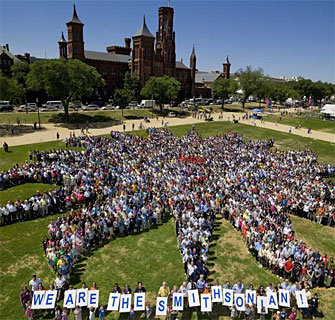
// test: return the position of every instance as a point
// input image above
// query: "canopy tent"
(256, 110)
(328, 109)
(239, 91)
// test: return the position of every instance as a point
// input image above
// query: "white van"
(53, 105)
(147, 104)
(5, 106)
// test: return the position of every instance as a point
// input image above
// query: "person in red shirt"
(288, 267)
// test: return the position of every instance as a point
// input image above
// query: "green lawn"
(230, 253)
(153, 256)
(20, 154)
(23, 191)
(318, 236)
(305, 121)
(47, 117)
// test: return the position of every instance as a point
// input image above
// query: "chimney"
(27, 57)
(7, 47)
(127, 42)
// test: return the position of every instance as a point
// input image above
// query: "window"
(144, 53)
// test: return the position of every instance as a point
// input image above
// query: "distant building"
(149, 55)
(205, 79)
(293, 78)
(7, 59)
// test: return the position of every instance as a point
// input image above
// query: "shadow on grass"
(164, 112)
(5, 130)
(81, 263)
(80, 120)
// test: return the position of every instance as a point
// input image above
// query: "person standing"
(140, 288)
(164, 290)
(24, 297)
(5, 146)
(34, 283)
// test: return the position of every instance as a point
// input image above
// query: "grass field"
(323, 236)
(305, 122)
(104, 116)
(151, 257)
(22, 192)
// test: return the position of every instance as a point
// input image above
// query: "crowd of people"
(125, 184)
(61, 284)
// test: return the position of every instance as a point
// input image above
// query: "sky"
(284, 38)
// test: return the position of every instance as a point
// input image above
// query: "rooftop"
(105, 56)
(143, 31)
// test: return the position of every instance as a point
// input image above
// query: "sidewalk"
(51, 130)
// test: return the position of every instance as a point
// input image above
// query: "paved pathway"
(51, 130)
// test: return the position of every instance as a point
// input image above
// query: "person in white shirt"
(34, 283)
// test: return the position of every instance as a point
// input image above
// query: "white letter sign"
(113, 302)
(239, 301)
(301, 299)
(125, 303)
(227, 297)
(70, 299)
(161, 306)
(139, 301)
(193, 298)
(284, 298)
(206, 302)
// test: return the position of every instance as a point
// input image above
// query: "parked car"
(5, 106)
(98, 103)
(108, 107)
(30, 106)
(91, 107)
(133, 104)
(75, 106)
(171, 115)
(54, 105)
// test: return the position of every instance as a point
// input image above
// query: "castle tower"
(75, 37)
(143, 53)
(226, 69)
(62, 47)
(165, 40)
(193, 63)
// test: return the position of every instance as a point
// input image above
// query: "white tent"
(328, 109)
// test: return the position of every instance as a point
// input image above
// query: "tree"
(19, 72)
(250, 81)
(222, 88)
(10, 89)
(64, 79)
(122, 97)
(163, 89)
(131, 83)
(265, 89)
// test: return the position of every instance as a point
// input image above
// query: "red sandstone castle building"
(149, 56)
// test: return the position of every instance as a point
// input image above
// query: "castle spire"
(75, 18)
(143, 31)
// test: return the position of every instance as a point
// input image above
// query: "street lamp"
(38, 113)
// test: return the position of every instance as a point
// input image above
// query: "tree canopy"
(122, 97)
(131, 83)
(10, 89)
(64, 79)
(223, 88)
(250, 81)
(163, 89)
